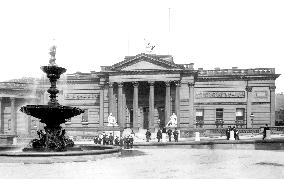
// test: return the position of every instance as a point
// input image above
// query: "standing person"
(175, 133)
(159, 135)
(96, 139)
(116, 141)
(131, 140)
(264, 131)
(110, 138)
(228, 132)
(170, 134)
(148, 135)
(236, 133)
(104, 139)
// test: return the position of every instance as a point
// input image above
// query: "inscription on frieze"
(220, 94)
(81, 96)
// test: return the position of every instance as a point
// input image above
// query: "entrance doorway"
(161, 111)
(146, 117)
(131, 118)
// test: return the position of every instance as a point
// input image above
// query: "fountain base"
(53, 139)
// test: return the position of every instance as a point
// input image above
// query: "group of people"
(160, 132)
(105, 139)
(236, 132)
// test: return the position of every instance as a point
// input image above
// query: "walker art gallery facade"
(142, 92)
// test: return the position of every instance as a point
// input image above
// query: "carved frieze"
(81, 96)
(220, 94)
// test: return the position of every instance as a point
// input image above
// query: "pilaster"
(1, 118)
(13, 116)
(101, 122)
(191, 105)
(249, 106)
(272, 105)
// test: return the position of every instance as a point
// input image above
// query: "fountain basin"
(53, 71)
(49, 114)
(89, 152)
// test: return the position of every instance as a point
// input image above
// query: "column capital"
(191, 84)
(120, 84)
(151, 83)
(110, 84)
(1, 98)
(135, 83)
(12, 99)
(177, 83)
(249, 88)
(102, 86)
(168, 83)
(272, 88)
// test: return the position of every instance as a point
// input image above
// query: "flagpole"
(169, 37)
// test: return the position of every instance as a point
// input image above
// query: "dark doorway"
(161, 111)
(146, 118)
(131, 118)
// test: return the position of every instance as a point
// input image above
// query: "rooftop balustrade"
(234, 71)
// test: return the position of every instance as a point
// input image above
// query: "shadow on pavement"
(131, 153)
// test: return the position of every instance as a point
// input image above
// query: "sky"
(90, 34)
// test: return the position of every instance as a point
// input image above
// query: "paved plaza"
(161, 162)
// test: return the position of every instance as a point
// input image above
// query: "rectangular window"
(219, 113)
(240, 114)
(199, 117)
(85, 116)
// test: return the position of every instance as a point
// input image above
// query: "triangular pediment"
(143, 65)
(145, 62)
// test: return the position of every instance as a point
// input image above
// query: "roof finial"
(148, 46)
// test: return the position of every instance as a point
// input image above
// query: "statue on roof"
(149, 47)
(52, 52)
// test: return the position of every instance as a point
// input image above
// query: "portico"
(145, 96)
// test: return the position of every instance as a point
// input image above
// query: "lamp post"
(252, 117)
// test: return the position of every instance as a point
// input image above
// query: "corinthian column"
(168, 102)
(110, 98)
(135, 104)
(177, 102)
(120, 105)
(151, 104)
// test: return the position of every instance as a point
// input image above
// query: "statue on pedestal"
(52, 52)
(173, 121)
(111, 120)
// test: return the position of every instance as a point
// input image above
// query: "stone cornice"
(149, 72)
(238, 77)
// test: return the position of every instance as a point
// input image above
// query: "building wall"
(231, 95)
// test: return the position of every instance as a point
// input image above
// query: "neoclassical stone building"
(143, 91)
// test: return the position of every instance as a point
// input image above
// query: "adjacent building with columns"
(143, 91)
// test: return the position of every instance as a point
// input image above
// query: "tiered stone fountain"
(53, 114)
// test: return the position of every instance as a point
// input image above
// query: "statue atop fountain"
(52, 52)
(53, 114)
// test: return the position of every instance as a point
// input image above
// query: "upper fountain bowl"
(51, 115)
(53, 71)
